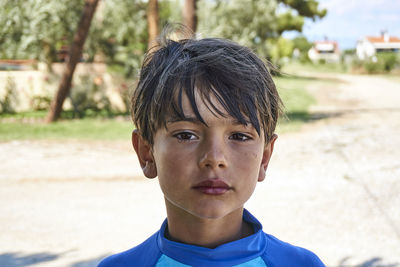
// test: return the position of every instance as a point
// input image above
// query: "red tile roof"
(381, 39)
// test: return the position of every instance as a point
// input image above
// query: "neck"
(186, 228)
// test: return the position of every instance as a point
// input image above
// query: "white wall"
(32, 83)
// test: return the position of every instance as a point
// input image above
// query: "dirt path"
(333, 187)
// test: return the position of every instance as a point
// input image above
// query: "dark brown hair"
(233, 74)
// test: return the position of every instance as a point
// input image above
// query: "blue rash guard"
(258, 249)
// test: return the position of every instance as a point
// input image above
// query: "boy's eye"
(240, 137)
(185, 136)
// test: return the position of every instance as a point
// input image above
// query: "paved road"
(332, 187)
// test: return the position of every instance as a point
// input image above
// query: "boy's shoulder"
(280, 253)
(145, 254)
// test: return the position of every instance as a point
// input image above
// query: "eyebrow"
(197, 121)
(188, 119)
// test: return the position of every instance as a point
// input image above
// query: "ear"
(145, 155)
(268, 149)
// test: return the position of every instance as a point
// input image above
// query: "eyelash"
(240, 137)
(180, 136)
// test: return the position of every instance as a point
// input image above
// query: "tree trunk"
(189, 14)
(152, 21)
(74, 55)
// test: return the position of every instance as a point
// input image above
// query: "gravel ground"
(332, 187)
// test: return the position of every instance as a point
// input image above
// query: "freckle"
(247, 155)
(254, 155)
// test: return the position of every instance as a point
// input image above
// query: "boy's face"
(206, 171)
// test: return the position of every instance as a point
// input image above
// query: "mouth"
(212, 187)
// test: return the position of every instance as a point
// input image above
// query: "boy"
(205, 112)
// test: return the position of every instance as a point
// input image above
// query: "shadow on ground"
(310, 78)
(89, 263)
(373, 262)
(308, 117)
(16, 259)
(315, 116)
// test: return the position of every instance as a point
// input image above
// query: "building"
(370, 45)
(327, 51)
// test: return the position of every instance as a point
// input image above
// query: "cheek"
(247, 168)
(171, 161)
(247, 157)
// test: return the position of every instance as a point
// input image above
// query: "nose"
(213, 155)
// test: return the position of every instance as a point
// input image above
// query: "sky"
(350, 20)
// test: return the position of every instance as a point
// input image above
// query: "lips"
(212, 187)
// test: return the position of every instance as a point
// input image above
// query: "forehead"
(204, 105)
(211, 111)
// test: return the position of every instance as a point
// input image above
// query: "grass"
(293, 67)
(296, 100)
(75, 129)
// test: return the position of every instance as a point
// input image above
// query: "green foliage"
(306, 8)
(88, 95)
(380, 63)
(119, 32)
(350, 51)
(36, 29)
(288, 21)
(257, 24)
(40, 102)
(373, 67)
(302, 45)
(40, 29)
(279, 49)
(388, 59)
(10, 98)
(170, 11)
(295, 12)
(248, 22)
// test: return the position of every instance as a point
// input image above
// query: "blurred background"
(71, 189)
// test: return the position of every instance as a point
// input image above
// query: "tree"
(37, 29)
(302, 45)
(74, 56)
(190, 14)
(152, 21)
(122, 35)
(255, 23)
(293, 18)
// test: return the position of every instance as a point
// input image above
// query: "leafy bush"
(382, 62)
(10, 98)
(40, 102)
(388, 60)
(373, 66)
(89, 96)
